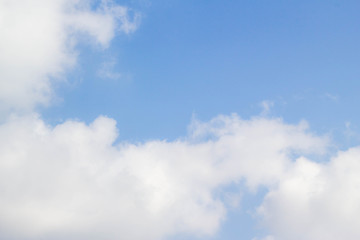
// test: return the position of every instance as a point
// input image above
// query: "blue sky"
(210, 57)
(197, 119)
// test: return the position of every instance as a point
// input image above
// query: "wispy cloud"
(331, 97)
(108, 71)
(266, 106)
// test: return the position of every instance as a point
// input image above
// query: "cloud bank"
(71, 179)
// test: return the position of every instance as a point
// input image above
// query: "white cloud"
(71, 181)
(37, 40)
(316, 200)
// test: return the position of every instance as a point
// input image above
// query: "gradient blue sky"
(218, 57)
(190, 61)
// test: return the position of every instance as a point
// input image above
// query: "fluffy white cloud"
(70, 181)
(37, 40)
(316, 200)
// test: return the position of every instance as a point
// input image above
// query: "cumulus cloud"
(316, 200)
(72, 181)
(38, 39)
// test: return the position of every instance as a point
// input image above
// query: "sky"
(179, 120)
